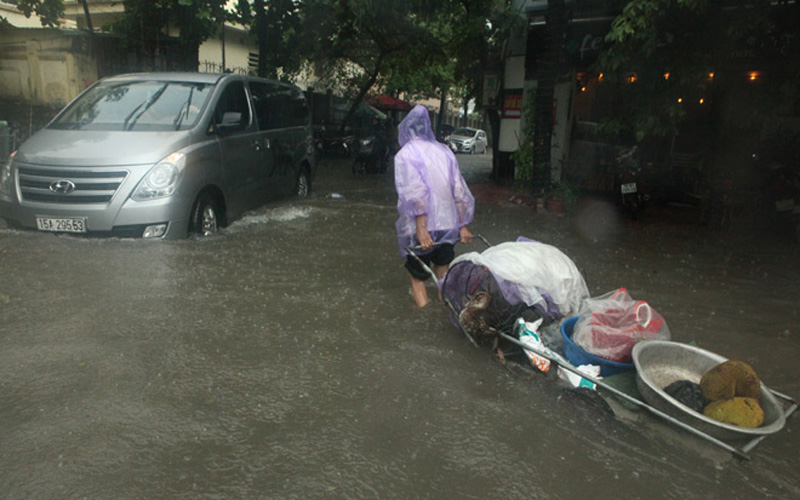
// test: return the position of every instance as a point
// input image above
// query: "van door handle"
(257, 145)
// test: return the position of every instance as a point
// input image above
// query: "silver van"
(161, 155)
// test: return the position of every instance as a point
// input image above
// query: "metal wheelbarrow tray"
(660, 363)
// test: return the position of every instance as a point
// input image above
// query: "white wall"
(510, 127)
(238, 46)
(41, 66)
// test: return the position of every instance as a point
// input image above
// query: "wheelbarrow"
(651, 397)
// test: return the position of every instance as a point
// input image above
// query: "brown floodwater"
(284, 358)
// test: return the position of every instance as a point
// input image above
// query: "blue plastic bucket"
(576, 355)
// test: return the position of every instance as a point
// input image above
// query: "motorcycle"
(333, 144)
(371, 155)
(628, 181)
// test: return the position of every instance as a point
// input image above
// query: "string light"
(666, 75)
(680, 99)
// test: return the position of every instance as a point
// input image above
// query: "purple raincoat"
(428, 182)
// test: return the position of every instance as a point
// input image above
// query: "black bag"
(687, 393)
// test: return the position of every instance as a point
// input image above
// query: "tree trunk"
(187, 20)
(222, 39)
(547, 71)
(262, 37)
(442, 111)
(364, 89)
(499, 170)
(88, 17)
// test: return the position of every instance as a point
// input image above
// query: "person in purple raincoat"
(434, 202)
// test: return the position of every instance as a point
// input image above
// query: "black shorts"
(441, 255)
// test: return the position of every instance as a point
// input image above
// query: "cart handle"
(418, 248)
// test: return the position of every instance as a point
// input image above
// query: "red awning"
(386, 102)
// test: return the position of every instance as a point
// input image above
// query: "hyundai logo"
(62, 186)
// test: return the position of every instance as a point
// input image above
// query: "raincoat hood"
(416, 124)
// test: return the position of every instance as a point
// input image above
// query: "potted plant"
(562, 198)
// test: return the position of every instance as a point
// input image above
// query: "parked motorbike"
(333, 144)
(444, 133)
(628, 173)
(371, 155)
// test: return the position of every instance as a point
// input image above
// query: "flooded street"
(285, 359)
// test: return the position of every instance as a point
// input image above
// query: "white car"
(468, 140)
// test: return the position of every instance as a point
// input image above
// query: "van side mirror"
(231, 121)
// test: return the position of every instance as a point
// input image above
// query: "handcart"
(650, 381)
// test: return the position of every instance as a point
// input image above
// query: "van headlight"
(162, 180)
(6, 180)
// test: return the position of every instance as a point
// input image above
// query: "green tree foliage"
(358, 44)
(144, 26)
(479, 42)
(425, 48)
(48, 11)
(473, 34)
(276, 25)
(430, 49)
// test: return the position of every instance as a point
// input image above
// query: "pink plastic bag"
(609, 325)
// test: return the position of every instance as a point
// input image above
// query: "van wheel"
(205, 216)
(303, 188)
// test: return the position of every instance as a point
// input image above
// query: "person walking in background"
(434, 203)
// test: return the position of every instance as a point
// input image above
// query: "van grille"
(89, 186)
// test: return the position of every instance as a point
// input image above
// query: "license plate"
(628, 188)
(62, 225)
(784, 205)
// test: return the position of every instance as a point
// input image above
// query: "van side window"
(300, 112)
(278, 106)
(233, 104)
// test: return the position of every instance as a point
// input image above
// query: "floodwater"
(285, 359)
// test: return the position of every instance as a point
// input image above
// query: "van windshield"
(139, 106)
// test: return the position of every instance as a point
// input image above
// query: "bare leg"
(440, 271)
(419, 292)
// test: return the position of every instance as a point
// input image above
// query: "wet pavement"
(284, 358)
